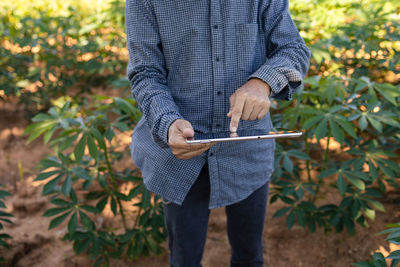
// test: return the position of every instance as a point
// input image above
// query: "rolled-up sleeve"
(287, 55)
(146, 70)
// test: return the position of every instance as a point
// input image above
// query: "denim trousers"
(187, 226)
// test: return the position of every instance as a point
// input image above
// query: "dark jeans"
(187, 226)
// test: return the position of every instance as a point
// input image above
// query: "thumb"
(186, 128)
(188, 132)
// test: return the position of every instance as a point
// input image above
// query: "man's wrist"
(267, 87)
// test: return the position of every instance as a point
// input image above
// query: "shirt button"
(218, 125)
(215, 26)
(219, 93)
(211, 154)
(217, 59)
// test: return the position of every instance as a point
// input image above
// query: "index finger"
(237, 111)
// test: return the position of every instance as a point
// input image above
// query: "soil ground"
(34, 245)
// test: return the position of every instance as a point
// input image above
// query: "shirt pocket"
(247, 42)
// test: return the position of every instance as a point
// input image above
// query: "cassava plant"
(378, 259)
(47, 53)
(81, 180)
(349, 111)
(362, 121)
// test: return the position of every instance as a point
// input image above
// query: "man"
(210, 66)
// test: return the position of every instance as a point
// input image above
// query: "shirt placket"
(217, 50)
(217, 43)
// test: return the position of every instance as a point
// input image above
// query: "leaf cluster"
(378, 260)
(82, 180)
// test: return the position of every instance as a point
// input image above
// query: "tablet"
(243, 137)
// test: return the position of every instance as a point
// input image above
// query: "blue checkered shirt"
(186, 58)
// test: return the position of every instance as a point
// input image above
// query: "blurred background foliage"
(56, 54)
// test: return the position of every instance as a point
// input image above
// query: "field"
(72, 196)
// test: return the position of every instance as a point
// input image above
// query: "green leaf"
(32, 127)
(89, 208)
(109, 134)
(100, 139)
(86, 221)
(379, 260)
(79, 149)
(349, 225)
(376, 124)
(50, 162)
(388, 91)
(81, 173)
(73, 196)
(355, 180)
(42, 117)
(337, 133)
(48, 135)
(312, 121)
(135, 191)
(347, 126)
(394, 263)
(123, 127)
(370, 213)
(50, 186)
(101, 204)
(113, 206)
(124, 105)
(377, 205)
(363, 122)
(322, 130)
(4, 194)
(55, 211)
(81, 246)
(280, 212)
(372, 170)
(290, 220)
(45, 175)
(92, 147)
(73, 223)
(301, 219)
(386, 119)
(384, 169)
(288, 164)
(327, 172)
(63, 158)
(298, 154)
(57, 221)
(67, 185)
(40, 129)
(151, 243)
(341, 184)
(394, 235)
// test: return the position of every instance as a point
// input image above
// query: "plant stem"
(307, 161)
(324, 167)
(138, 217)
(115, 187)
(308, 164)
(327, 151)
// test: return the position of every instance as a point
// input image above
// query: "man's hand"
(178, 132)
(249, 102)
